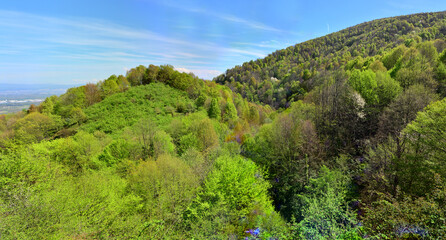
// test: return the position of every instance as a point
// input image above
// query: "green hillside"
(152, 160)
(156, 102)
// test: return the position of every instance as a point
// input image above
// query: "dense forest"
(340, 137)
(288, 74)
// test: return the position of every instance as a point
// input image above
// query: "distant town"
(15, 98)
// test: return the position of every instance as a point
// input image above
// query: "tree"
(290, 149)
(391, 59)
(123, 83)
(440, 72)
(234, 197)
(427, 140)
(165, 74)
(76, 116)
(442, 56)
(92, 94)
(230, 112)
(145, 131)
(151, 74)
(35, 127)
(109, 86)
(135, 76)
(47, 106)
(162, 144)
(206, 135)
(166, 187)
(253, 115)
(324, 213)
(214, 109)
(377, 66)
(403, 110)
(340, 119)
(428, 52)
(306, 74)
(74, 97)
(181, 81)
(365, 83)
(201, 99)
(387, 88)
(115, 152)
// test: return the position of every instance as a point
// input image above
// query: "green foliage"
(47, 106)
(390, 60)
(234, 198)
(340, 115)
(325, 215)
(269, 80)
(92, 206)
(230, 112)
(166, 186)
(109, 86)
(75, 152)
(408, 218)
(135, 75)
(115, 152)
(387, 88)
(365, 83)
(79, 166)
(214, 109)
(162, 144)
(403, 110)
(442, 56)
(440, 72)
(74, 97)
(201, 100)
(427, 138)
(35, 127)
(290, 149)
(125, 109)
(189, 141)
(151, 74)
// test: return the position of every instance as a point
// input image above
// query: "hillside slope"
(271, 80)
(119, 161)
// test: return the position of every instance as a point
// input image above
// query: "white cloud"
(202, 73)
(181, 69)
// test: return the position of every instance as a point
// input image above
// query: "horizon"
(76, 42)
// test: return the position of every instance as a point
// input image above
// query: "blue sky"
(75, 42)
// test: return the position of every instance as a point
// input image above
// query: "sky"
(75, 42)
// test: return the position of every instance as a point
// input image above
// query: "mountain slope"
(270, 80)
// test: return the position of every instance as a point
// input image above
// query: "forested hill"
(358, 153)
(287, 74)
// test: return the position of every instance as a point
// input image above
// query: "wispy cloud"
(76, 43)
(271, 45)
(225, 17)
(249, 23)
